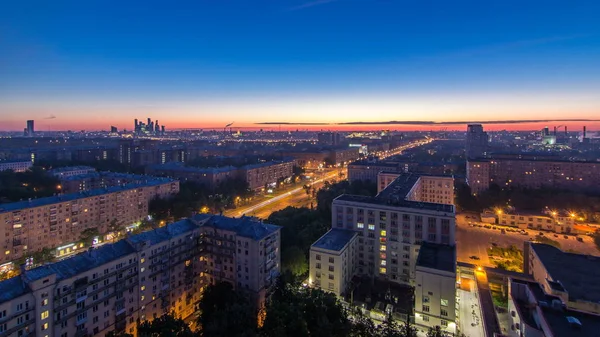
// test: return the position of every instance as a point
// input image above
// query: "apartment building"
(392, 229)
(29, 226)
(574, 278)
(16, 166)
(242, 251)
(557, 222)
(433, 189)
(528, 173)
(369, 171)
(116, 286)
(97, 180)
(256, 175)
(333, 260)
(535, 313)
(435, 286)
(260, 175)
(70, 171)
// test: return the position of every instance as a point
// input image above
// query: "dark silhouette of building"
(477, 141)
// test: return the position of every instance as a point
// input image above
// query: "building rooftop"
(19, 205)
(12, 288)
(571, 323)
(244, 226)
(81, 262)
(70, 168)
(395, 195)
(436, 256)
(265, 164)
(374, 164)
(165, 233)
(578, 274)
(176, 166)
(335, 239)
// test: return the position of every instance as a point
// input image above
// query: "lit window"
(371, 227)
(382, 248)
(382, 233)
(45, 301)
(44, 326)
(45, 314)
(360, 225)
(143, 288)
(382, 270)
(383, 263)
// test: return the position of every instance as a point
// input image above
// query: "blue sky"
(202, 62)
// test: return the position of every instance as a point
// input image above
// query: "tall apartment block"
(402, 237)
(30, 226)
(477, 141)
(117, 286)
(529, 173)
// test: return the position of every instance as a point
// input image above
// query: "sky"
(203, 64)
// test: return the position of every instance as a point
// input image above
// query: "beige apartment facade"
(332, 260)
(117, 286)
(29, 226)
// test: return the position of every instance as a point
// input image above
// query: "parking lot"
(473, 241)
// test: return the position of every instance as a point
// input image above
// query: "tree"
(362, 326)
(436, 332)
(295, 311)
(87, 235)
(597, 239)
(165, 326)
(294, 260)
(389, 328)
(225, 312)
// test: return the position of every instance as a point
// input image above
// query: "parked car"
(579, 239)
(566, 237)
(473, 257)
(555, 235)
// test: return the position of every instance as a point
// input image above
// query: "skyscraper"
(30, 129)
(477, 141)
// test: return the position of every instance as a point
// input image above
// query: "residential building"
(16, 166)
(260, 175)
(96, 180)
(242, 251)
(70, 171)
(557, 222)
(116, 286)
(29, 226)
(392, 228)
(433, 189)
(477, 141)
(333, 260)
(369, 171)
(574, 278)
(532, 173)
(435, 286)
(535, 313)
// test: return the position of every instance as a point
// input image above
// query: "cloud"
(50, 117)
(510, 121)
(310, 4)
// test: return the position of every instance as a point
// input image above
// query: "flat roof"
(176, 166)
(19, 205)
(559, 323)
(579, 274)
(436, 256)
(335, 239)
(244, 226)
(12, 288)
(164, 233)
(395, 195)
(70, 168)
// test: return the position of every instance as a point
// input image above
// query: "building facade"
(558, 223)
(117, 286)
(333, 260)
(16, 166)
(525, 173)
(30, 226)
(70, 171)
(477, 141)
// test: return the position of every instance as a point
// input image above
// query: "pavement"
(469, 310)
(474, 241)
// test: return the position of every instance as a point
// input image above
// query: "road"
(474, 241)
(297, 197)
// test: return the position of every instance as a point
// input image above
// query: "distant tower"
(156, 127)
(162, 129)
(30, 129)
(477, 141)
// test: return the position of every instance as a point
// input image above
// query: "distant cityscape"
(155, 206)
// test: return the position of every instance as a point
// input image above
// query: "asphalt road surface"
(474, 241)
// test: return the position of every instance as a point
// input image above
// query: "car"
(555, 235)
(503, 231)
(566, 237)
(541, 234)
(473, 257)
(523, 233)
(580, 239)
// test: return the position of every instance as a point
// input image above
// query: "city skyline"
(88, 66)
